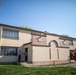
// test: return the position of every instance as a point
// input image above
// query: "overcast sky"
(54, 16)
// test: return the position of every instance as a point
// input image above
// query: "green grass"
(20, 70)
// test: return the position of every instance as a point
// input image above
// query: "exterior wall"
(37, 53)
(40, 53)
(8, 59)
(29, 53)
(10, 42)
(63, 43)
(36, 38)
(72, 47)
(59, 53)
(0, 32)
(0, 48)
(50, 38)
(24, 37)
(0, 35)
(53, 51)
(64, 54)
(52, 55)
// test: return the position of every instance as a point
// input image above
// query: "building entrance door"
(72, 56)
(26, 54)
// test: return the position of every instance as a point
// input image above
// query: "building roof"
(61, 36)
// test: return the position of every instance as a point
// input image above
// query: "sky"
(53, 16)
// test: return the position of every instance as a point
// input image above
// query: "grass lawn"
(20, 70)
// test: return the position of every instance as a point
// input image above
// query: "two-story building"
(41, 47)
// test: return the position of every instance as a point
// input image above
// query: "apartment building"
(41, 47)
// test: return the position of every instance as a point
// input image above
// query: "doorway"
(72, 56)
(26, 54)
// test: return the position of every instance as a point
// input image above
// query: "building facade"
(37, 47)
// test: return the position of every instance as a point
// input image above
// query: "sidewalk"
(73, 65)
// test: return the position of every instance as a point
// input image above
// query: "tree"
(26, 27)
(65, 35)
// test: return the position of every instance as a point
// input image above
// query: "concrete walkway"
(73, 65)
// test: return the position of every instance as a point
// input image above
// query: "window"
(26, 54)
(70, 42)
(26, 51)
(10, 34)
(8, 51)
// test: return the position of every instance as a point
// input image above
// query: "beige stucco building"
(41, 47)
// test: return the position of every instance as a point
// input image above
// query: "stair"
(26, 64)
